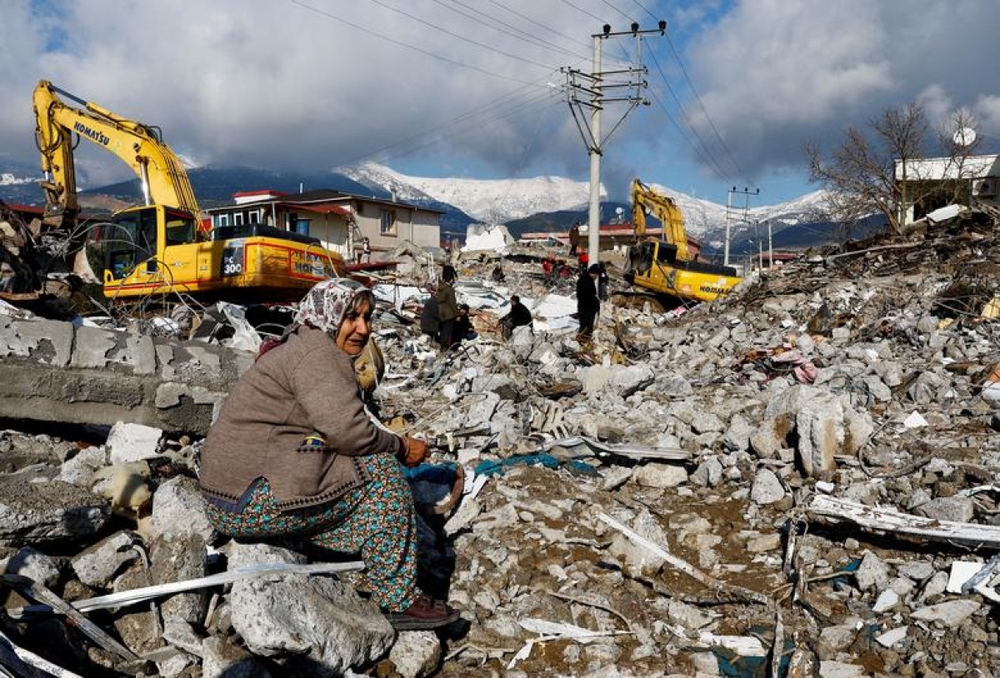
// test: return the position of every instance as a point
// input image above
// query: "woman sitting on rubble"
(294, 453)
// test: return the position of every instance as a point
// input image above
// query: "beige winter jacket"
(306, 384)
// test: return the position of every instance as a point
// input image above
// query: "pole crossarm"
(586, 91)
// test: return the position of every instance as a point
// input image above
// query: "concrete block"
(140, 354)
(52, 340)
(12, 343)
(133, 442)
(92, 347)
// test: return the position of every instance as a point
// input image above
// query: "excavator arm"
(164, 179)
(646, 200)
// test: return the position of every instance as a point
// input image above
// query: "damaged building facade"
(339, 221)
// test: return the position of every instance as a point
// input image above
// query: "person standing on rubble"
(603, 280)
(295, 454)
(574, 238)
(447, 307)
(588, 303)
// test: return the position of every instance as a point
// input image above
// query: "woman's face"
(355, 329)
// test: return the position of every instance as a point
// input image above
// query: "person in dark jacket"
(294, 453)
(429, 323)
(588, 303)
(463, 329)
(518, 316)
(603, 280)
(447, 307)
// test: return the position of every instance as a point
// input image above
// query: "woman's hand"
(414, 452)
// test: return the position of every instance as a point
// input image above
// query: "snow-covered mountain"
(10, 179)
(487, 200)
(505, 200)
(707, 220)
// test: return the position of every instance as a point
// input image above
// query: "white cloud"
(308, 84)
(775, 72)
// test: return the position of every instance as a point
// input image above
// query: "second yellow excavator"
(667, 266)
(158, 248)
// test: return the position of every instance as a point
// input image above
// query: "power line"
(380, 3)
(627, 17)
(715, 129)
(458, 121)
(394, 41)
(643, 7)
(477, 126)
(536, 23)
(707, 160)
(581, 9)
(714, 162)
(520, 34)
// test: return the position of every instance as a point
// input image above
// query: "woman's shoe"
(424, 613)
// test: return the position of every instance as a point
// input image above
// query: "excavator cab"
(132, 241)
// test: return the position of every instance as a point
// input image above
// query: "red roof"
(29, 209)
(323, 209)
(266, 191)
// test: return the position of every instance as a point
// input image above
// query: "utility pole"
(587, 92)
(746, 192)
(770, 246)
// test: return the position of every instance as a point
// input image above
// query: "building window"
(223, 220)
(387, 226)
(237, 218)
(254, 217)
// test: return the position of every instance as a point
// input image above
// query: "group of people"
(443, 319)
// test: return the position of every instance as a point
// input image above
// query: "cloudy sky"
(477, 88)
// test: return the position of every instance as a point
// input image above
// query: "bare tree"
(873, 170)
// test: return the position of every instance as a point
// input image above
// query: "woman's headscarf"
(326, 304)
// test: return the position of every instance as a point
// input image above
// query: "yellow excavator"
(158, 248)
(666, 266)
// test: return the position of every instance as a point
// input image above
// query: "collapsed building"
(797, 480)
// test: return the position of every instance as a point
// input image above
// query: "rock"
(97, 564)
(416, 653)
(35, 565)
(133, 442)
(887, 600)
(871, 573)
(49, 512)
(835, 639)
(767, 489)
(659, 475)
(636, 558)
(892, 636)
(179, 510)
(737, 436)
(708, 473)
(304, 620)
(957, 509)
(950, 614)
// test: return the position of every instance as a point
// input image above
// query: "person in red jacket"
(295, 454)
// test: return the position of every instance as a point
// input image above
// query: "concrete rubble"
(800, 480)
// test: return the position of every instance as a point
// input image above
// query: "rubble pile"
(799, 480)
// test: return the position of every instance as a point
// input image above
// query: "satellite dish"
(964, 136)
